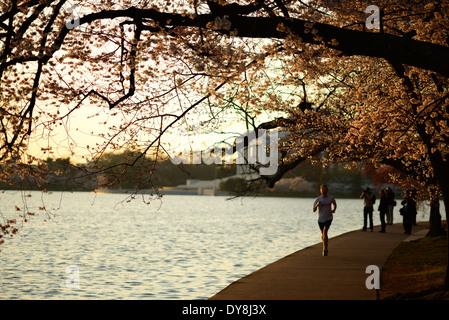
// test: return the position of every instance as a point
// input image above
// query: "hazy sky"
(81, 131)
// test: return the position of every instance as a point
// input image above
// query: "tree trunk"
(446, 281)
(441, 171)
(436, 229)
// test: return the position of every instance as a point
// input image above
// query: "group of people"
(386, 206)
(326, 206)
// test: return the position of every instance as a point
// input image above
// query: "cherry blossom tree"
(317, 69)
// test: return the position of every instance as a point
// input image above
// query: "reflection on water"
(183, 247)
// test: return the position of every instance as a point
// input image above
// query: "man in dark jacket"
(391, 204)
(408, 210)
(368, 202)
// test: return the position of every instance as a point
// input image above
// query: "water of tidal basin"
(180, 247)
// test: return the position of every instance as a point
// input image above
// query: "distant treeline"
(123, 171)
(117, 171)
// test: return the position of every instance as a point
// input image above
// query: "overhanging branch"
(404, 50)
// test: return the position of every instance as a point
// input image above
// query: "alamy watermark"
(249, 148)
(373, 280)
(73, 19)
(73, 280)
(373, 21)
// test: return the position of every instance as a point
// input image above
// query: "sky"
(81, 132)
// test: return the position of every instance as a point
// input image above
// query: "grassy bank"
(416, 270)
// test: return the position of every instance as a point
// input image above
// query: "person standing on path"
(368, 201)
(326, 206)
(383, 208)
(391, 205)
(408, 211)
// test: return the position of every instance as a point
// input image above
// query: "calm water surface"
(180, 247)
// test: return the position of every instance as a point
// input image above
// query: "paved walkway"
(306, 275)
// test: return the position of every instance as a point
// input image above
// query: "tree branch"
(416, 53)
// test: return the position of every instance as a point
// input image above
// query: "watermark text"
(250, 148)
(373, 21)
(73, 280)
(373, 280)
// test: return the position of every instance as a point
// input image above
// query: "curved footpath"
(307, 275)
